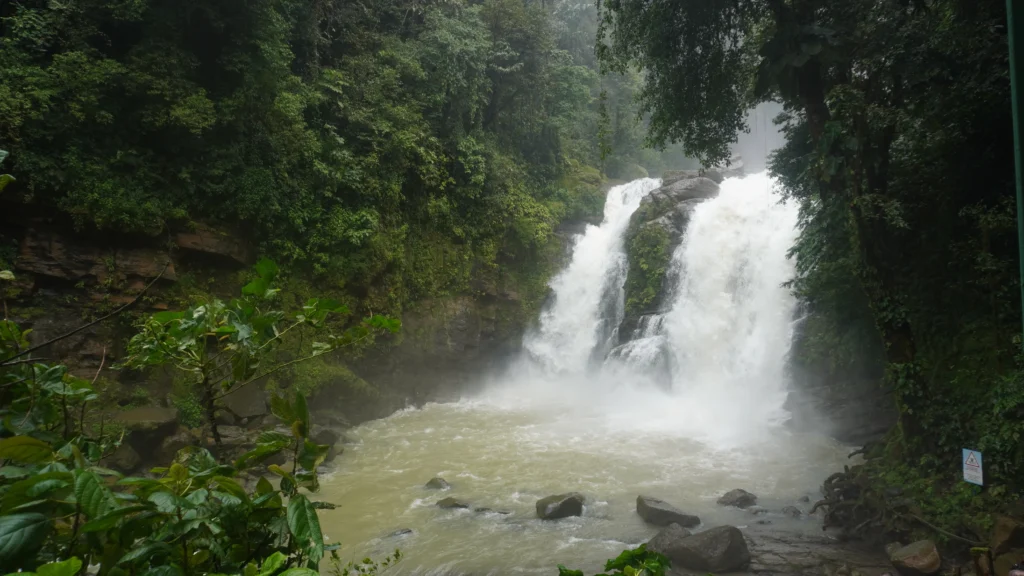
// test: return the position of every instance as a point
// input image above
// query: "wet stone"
(451, 503)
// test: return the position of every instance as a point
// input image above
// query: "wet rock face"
(721, 549)
(918, 559)
(560, 506)
(661, 513)
(739, 498)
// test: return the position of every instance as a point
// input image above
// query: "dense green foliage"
(899, 151)
(222, 347)
(649, 256)
(634, 562)
(61, 511)
(396, 147)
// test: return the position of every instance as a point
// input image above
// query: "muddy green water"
(506, 457)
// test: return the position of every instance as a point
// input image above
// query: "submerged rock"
(492, 511)
(792, 512)
(401, 532)
(661, 513)
(918, 559)
(560, 506)
(739, 498)
(449, 503)
(720, 549)
(438, 484)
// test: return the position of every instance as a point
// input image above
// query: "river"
(570, 416)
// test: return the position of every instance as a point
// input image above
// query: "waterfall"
(731, 322)
(586, 305)
(715, 360)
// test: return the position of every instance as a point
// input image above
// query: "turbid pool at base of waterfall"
(505, 457)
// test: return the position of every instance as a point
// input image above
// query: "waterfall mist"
(712, 365)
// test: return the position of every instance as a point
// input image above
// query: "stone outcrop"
(661, 513)
(918, 559)
(48, 253)
(560, 506)
(655, 230)
(721, 549)
(203, 239)
(739, 498)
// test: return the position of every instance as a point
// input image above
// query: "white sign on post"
(972, 467)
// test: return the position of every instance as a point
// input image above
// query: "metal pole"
(1014, 7)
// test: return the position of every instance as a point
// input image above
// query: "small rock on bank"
(661, 513)
(917, 559)
(739, 498)
(721, 549)
(438, 484)
(449, 503)
(560, 506)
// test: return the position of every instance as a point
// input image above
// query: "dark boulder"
(721, 549)
(661, 513)
(667, 539)
(560, 506)
(438, 484)
(739, 498)
(123, 459)
(449, 503)
(792, 512)
(1007, 534)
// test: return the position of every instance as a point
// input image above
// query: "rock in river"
(560, 506)
(720, 549)
(792, 512)
(438, 484)
(668, 538)
(739, 498)
(918, 559)
(661, 513)
(450, 502)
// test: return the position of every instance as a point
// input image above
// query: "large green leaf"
(273, 564)
(110, 519)
(25, 449)
(305, 526)
(94, 498)
(21, 535)
(25, 491)
(267, 268)
(65, 568)
(282, 408)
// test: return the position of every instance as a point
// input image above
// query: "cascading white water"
(730, 325)
(555, 424)
(570, 327)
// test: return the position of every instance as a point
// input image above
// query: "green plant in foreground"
(636, 562)
(224, 346)
(60, 510)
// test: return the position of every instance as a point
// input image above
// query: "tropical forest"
(532, 287)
